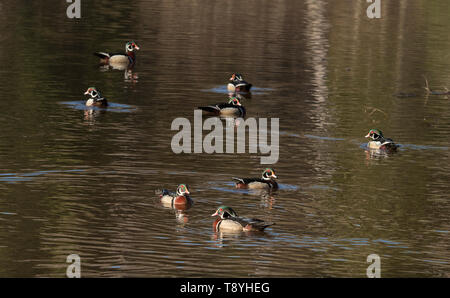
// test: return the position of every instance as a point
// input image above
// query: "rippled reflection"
(81, 180)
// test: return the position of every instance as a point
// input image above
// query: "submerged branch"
(429, 91)
(375, 110)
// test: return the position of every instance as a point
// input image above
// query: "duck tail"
(262, 226)
(238, 179)
(209, 109)
(162, 192)
(102, 55)
(390, 145)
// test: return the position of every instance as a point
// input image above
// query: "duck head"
(235, 101)
(236, 77)
(93, 92)
(268, 174)
(375, 134)
(225, 212)
(131, 46)
(183, 190)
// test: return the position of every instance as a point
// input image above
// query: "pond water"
(77, 180)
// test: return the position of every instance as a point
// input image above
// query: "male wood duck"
(229, 221)
(96, 98)
(232, 108)
(129, 57)
(267, 181)
(378, 141)
(175, 200)
(237, 84)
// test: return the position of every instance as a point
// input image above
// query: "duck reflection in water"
(92, 114)
(240, 96)
(220, 237)
(130, 77)
(267, 198)
(181, 216)
(374, 154)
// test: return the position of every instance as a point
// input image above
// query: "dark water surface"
(74, 180)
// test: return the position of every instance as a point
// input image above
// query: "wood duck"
(378, 141)
(232, 108)
(129, 57)
(267, 181)
(229, 221)
(96, 98)
(237, 84)
(175, 200)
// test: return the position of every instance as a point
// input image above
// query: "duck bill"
(274, 176)
(136, 47)
(86, 93)
(368, 135)
(215, 214)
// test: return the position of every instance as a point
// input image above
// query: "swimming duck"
(237, 84)
(229, 221)
(232, 108)
(129, 57)
(179, 199)
(267, 181)
(378, 141)
(96, 98)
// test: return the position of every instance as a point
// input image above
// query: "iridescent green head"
(183, 189)
(225, 212)
(93, 92)
(269, 174)
(131, 46)
(235, 101)
(375, 134)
